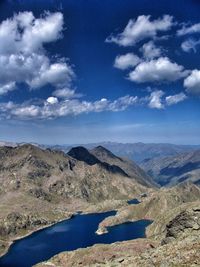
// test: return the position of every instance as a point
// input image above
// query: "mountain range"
(134, 151)
(169, 171)
(137, 151)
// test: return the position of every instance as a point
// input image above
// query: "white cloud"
(126, 61)
(58, 74)
(25, 33)
(192, 82)
(150, 51)
(52, 100)
(141, 28)
(4, 89)
(35, 70)
(25, 112)
(195, 28)
(155, 100)
(189, 45)
(174, 99)
(23, 58)
(122, 103)
(66, 93)
(52, 108)
(157, 70)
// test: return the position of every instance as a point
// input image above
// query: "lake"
(133, 201)
(78, 232)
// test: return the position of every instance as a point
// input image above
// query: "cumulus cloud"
(53, 108)
(155, 100)
(52, 100)
(150, 51)
(126, 61)
(66, 93)
(190, 45)
(141, 28)
(25, 33)
(58, 74)
(157, 70)
(195, 28)
(31, 111)
(4, 89)
(174, 99)
(35, 70)
(23, 58)
(192, 82)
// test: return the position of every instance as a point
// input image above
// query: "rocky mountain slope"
(40, 187)
(45, 174)
(102, 156)
(170, 171)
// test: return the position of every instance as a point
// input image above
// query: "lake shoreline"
(33, 231)
(84, 212)
(70, 236)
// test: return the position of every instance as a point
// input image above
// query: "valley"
(169, 171)
(41, 187)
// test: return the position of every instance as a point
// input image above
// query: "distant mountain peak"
(102, 151)
(82, 154)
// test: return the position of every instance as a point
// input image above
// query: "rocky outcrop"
(100, 255)
(40, 193)
(186, 223)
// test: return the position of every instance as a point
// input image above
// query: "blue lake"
(78, 232)
(133, 201)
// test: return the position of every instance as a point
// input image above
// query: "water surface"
(78, 232)
(133, 201)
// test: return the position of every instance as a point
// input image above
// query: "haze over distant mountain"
(5, 143)
(134, 151)
(137, 151)
(175, 169)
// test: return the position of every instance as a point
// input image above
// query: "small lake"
(133, 201)
(78, 232)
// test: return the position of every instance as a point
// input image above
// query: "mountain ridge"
(135, 151)
(172, 170)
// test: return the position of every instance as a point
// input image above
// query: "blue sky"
(88, 71)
